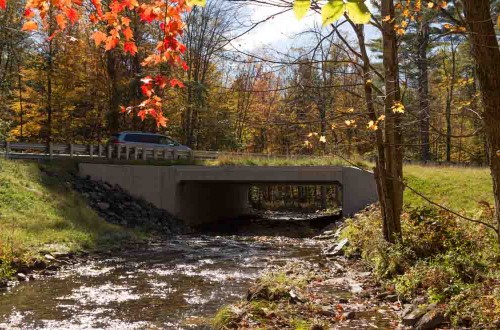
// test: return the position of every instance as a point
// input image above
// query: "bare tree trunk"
(449, 100)
(392, 175)
(113, 114)
(423, 91)
(486, 54)
(388, 168)
(19, 81)
(50, 68)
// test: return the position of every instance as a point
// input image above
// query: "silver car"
(147, 140)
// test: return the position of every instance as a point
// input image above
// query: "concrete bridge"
(201, 194)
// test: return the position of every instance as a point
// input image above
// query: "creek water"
(176, 284)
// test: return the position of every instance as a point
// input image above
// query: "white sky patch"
(280, 32)
(277, 31)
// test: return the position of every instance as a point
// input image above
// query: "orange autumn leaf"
(30, 26)
(99, 37)
(130, 47)
(128, 34)
(61, 21)
(72, 15)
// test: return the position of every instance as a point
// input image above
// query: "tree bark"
(423, 90)
(390, 191)
(391, 176)
(113, 115)
(486, 53)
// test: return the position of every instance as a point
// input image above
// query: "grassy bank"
(462, 189)
(443, 259)
(39, 212)
(275, 161)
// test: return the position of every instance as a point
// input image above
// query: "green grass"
(460, 189)
(40, 212)
(275, 161)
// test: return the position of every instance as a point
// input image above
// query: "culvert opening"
(293, 198)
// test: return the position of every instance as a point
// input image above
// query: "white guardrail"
(11, 150)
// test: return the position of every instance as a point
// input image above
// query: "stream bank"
(331, 292)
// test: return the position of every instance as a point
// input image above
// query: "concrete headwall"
(199, 194)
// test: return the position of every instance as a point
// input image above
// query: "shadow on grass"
(39, 211)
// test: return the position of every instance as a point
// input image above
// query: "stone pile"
(117, 206)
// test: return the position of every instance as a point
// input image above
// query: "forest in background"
(307, 100)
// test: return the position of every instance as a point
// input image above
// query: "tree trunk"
(113, 115)
(449, 101)
(19, 81)
(486, 53)
(391, 176)
(390, 202)
(50, 68)
(423, 91)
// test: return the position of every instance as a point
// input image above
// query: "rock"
(338, 249)
(52, 268)
(294, 297)
(392, 298)
(317, 327)
(431, 320)
(4, 283)
(348, 315)
(21, 277)
(49, 257)
(327, 311)
(47, 272)
(382, 295)
(412, 314)
(39, 264)
(103, 206)
(343, 301)
(60, 255)
(365, 294)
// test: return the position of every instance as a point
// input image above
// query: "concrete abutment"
(201, 194)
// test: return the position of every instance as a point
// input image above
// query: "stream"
(176, 284)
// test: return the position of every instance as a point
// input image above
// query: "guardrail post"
(144, 154)
(118, 151)
(7, 149)
(155, 153)
(71, 150)
(164, 153)
(191, 155)
(91, 151)
(136, 153)
(99, 151)
(127, 152)
(110, 151)
(51, 150)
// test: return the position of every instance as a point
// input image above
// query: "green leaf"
(301, 7)
(332, 11)
(358, 12)
(201, 3)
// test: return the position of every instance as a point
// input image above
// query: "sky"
(278, 33)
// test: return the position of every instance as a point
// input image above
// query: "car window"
(167, 141)
(143, 138)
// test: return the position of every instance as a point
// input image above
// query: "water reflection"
(177, 284)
